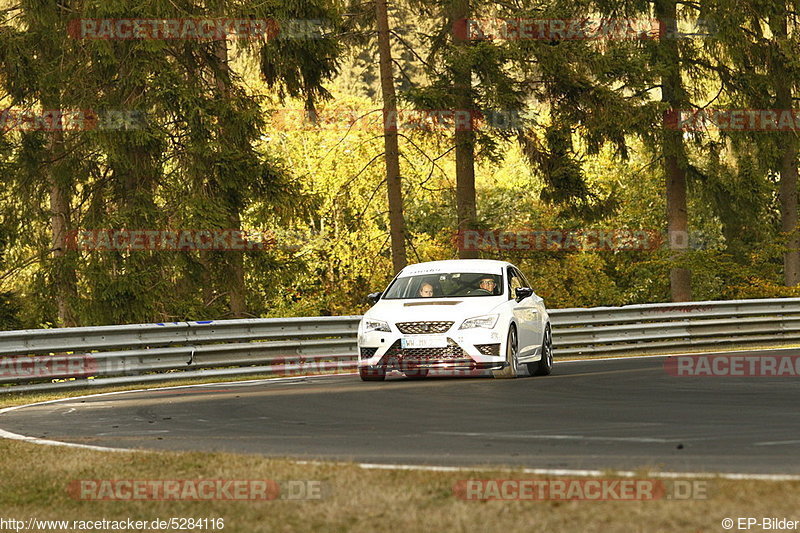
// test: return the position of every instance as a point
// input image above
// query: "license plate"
(424, 341)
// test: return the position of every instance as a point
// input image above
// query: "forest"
(169, 160)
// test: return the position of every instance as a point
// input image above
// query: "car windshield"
(455, 285)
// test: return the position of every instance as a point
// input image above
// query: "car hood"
(426, 309)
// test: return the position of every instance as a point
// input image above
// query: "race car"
(456, 315)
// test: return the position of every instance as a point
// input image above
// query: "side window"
(514, 282)
(522, 279)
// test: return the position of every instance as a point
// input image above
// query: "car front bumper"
(473, 349)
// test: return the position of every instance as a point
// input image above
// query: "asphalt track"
(610, 414)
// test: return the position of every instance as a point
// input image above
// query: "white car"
(464, 314)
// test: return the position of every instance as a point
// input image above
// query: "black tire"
(512, 355)
(372, 373)
(417, 373)
(544, 366)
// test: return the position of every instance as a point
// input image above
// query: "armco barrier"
(141, 353)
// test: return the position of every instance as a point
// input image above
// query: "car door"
(526, 314)
(539, 313)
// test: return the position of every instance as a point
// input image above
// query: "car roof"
(485, 266)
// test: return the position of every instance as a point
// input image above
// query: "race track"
(615, 414)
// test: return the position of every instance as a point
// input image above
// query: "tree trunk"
(464, 136)
(397, 225)
(63, 271)
(788, 199)
(787, 192)
(673, 153)
(233, 261)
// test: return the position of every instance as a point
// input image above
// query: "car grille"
(366, 353)
(488, 349)
(451, 351)
(415, 328)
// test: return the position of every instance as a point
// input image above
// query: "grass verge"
(36, 480)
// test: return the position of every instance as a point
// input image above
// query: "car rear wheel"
(512, 354)
(372, 373)
(544, 366)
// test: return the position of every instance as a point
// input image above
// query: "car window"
(514, 282)
(522, 278)
(449, 285)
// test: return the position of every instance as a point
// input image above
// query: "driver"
(485, 286)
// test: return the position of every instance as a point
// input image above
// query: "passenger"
(426, 290)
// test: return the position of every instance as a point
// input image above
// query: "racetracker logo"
(559, 240)
(48, 366)
(583, 29)
(195, 28)
(376, 120)
(195, 489)
(70, 120)
(783, 120)
(727, 365)
(580, 489)
(514, 29)
(298, 365)
(168, 240)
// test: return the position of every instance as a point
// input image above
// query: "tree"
(394, 184)
(754, 60)
(672, 149)
(464, 138)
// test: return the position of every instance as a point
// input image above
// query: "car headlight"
(375, 325)
(485, 321)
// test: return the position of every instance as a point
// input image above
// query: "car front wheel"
(512, 353)
(416, 373)
(544, 366)
(372, 373)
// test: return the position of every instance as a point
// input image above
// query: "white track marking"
(587, 473)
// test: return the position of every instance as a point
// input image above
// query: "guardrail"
(661, 328)
(140, 353)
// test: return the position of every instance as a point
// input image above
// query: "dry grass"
(35, 480)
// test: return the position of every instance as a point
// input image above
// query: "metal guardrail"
(140, 353)
(661, 328)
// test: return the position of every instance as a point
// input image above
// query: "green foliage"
(214, 150)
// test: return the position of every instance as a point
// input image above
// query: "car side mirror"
(374, 297)
(523, 292)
